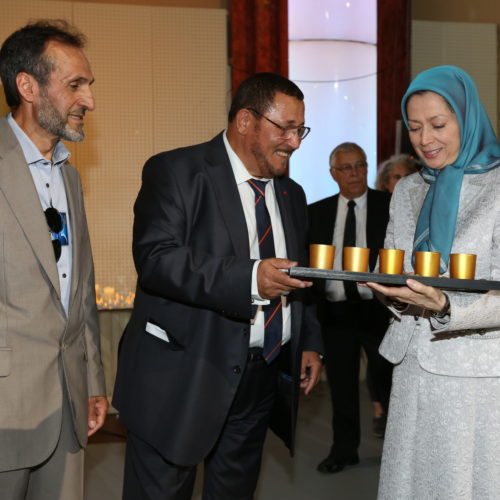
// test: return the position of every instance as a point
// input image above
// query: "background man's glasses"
(359, 166)
(286, 132)
(59, 229)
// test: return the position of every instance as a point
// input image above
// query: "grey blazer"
(41, 350)
(468, 346)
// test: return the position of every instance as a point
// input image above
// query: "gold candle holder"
(356, 259)
(321, 256)
(462, 266)
(391, 261)
(427, 264)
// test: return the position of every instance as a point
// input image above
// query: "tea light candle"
(108, 293)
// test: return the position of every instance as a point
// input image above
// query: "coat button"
(236, 369)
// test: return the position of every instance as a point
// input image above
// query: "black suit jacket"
(322, 216)
(191, 252)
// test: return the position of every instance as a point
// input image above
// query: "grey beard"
(51, 120)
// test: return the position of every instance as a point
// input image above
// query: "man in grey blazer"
(51, 379)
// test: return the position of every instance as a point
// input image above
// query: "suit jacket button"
(236, 369)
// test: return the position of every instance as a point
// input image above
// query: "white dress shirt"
(247, 196)
(49, 184)
(335, 289)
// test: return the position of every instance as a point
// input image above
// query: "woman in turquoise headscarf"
(443, 434)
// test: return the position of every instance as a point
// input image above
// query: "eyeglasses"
(286, 132)
(59, 229)
(348, 168)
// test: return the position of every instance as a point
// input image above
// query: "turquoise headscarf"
(479, 153)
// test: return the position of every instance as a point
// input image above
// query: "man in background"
(220, 339)
(52, 393)
(351, 317)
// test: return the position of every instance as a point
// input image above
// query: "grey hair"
(386, 167)
(346, 147)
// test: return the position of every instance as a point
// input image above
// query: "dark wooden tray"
(395, 279)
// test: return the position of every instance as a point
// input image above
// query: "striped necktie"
(273, 314)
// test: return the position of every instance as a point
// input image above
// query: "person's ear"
(27, 86)
(333, 173)
(243, 121)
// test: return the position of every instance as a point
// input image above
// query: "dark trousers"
(232, 467)
(348, 327)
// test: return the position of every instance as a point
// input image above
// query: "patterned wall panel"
(472, 46)
(119, 132)
(188, 50)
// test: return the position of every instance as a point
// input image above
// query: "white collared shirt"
(335, 289)
(247, 196)
(49, 184)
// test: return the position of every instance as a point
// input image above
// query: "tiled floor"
(281, 477)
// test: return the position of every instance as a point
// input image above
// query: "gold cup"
(462, 266)
(321, 256)
(356, 259)
(391, 261)
(427, 264)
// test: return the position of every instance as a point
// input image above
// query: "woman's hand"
(414, 293)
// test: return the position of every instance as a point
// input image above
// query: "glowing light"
(108, 298)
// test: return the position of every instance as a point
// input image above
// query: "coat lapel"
(286, 212)
(331, 217)
(75, 222)
(322, 216)
(18, 188)
(417, 196)
(228, 197)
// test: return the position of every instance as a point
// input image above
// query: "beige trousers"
(59, 477)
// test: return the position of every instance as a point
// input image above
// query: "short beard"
(51, 120)
(266, 170)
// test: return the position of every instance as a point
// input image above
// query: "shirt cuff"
(397, 308)
(256, 298)
(440, 322)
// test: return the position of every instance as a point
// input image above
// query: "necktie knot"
(259, 187)
(351, 203)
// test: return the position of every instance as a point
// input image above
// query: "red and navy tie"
(273, 314)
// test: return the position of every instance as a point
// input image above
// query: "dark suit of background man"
(192, 384)
(351, 318)
(52, 392)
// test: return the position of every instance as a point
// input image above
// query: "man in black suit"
(196, 376)
(351, 317)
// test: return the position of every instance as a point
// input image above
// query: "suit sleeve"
(483, 310)
(95, 371)
(177, 257)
